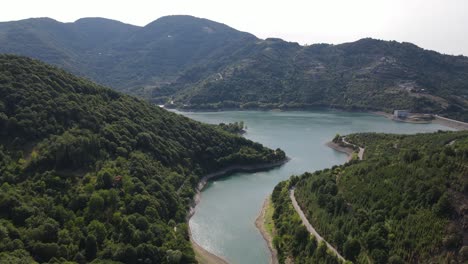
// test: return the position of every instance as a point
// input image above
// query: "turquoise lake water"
(224, 221)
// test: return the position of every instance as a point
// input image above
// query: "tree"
(95, 204)
(336, 139)
(104, 180)
(45, 251)
(174, 256)
(98, 230)
(91, 247)
(443, 207)
(379, 256)
(351, 249)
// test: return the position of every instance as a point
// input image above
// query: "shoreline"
(230, 170)
(260, 224)
(348, 151)
(273, 109)
(452, 123)
(201, 253)
(455, 124)
(204, 256)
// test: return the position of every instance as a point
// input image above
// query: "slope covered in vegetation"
(197, 63)
(128, 58)
(367, 74)
(406, 202)
(87, 173)
(292, 239)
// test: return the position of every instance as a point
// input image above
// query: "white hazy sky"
(440, 25)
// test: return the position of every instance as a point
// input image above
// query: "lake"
(224, 221)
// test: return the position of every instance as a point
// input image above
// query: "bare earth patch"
(264, 223)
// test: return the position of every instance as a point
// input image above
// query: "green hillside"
(87, 173)
(367, 74)
(132, 59)
(198, 63)
(292, 241)
(404, 203)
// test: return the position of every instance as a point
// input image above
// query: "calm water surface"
(224, 222)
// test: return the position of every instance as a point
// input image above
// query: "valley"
(224, 220)
(185, 140)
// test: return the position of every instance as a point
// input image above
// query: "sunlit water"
(224, 222)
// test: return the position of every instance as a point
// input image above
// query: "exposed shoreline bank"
(452, 123)
(230, 170)
(201, 253)
(346, 150)
(455, 124)
(258, 205)
(260, 224)
(272, 109)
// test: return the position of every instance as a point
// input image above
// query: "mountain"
(367, 75)
(198, 63)
(89, 173)
(406, 202)
(128, 58)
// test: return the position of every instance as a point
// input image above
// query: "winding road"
(361, 150)
(310, 228)
(306, 222)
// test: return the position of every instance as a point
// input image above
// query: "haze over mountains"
(197, 63)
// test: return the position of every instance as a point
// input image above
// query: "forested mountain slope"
(88, 173)
(197, 63)
(367, 74)
(406, 202)
(128, 58)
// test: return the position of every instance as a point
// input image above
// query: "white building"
(402, 114)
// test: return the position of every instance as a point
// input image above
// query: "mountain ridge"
(201, 64)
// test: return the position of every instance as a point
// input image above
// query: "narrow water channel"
(224, 219)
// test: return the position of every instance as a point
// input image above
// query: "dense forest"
(91, 175)
(128, 58)
(197, 63)
(367, 74)
(236, 127)
(405, 202)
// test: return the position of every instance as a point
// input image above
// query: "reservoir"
(224, 221)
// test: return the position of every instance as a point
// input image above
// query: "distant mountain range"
(198, 63)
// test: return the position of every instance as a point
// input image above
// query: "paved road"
(310, 228)
(361, 150)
